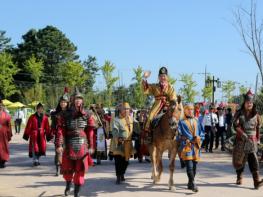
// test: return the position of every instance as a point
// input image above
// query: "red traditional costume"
(5, 136)
(75, 133)
(38, 132)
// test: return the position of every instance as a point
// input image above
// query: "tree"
(228, 87)
(73, 74)
(171, 80)
(107, 70)
(120, 94)
(188, 91)
(49, 45)
(8, 69)
(250, 30)
(91, 68)
(207, 93)
(242, 90)
(139, 97)
(35, 68)
(4, 42)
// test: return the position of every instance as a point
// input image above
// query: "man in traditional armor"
(60, 111)
(247, 124)
(75, 131)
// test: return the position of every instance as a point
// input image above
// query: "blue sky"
(184, 35)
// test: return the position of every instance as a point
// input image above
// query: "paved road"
(215, 178)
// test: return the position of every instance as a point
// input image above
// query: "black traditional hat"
(163, 70)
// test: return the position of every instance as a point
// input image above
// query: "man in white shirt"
(210, 121)
(221, 128)
(18, 117)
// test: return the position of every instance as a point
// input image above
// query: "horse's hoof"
(172, 188)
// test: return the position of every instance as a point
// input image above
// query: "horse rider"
(163, 93)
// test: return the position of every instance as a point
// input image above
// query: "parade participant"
(163, 93)
(5, 135)
(190, 139)
(122, 142)
(75, 131)
(61, 109)
(100, 134)
(38, 132)
(247, 124)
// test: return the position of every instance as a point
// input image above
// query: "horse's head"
(175, 112)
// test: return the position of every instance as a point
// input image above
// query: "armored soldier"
(247, 124)
(61, 109)
(75, 131)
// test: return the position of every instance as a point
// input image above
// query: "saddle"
(156, 120)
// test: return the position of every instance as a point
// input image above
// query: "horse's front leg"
(159, 156)
(171, 168)
(154, 164)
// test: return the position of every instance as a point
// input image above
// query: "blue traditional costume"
(190, 139)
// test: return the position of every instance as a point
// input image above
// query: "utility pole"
(212, 82)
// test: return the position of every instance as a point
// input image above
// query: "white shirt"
(19, 114)
(207, 119)
(221, 121)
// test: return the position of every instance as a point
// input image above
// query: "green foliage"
(35, 68)
(207, 93)
(139, 97)
(7, 71)
(4, 42)
(188, 91)
(73, 74)
(107, 70)
(228, 87)
(242, 90)
(171, 80)
(49, 45)
(91, 68)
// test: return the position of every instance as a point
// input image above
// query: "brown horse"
(163, 138)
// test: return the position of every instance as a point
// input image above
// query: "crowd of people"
(80, 135)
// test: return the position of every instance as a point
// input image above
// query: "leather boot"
(77, 190)
(118, 181)
(191, 182)
(239, 178)
(122, 178)
(257, 182)
(67, 190)
(57, 170)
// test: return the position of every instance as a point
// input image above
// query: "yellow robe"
(162, 98)
(122, 129)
